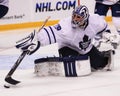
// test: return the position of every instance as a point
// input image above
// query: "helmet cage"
(79, 16)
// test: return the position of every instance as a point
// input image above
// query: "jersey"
(4, 2)
(108, 2)
(76, 38)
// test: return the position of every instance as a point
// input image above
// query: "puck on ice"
(6, 86)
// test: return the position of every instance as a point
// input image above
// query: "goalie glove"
(29, 43)
(114, 39)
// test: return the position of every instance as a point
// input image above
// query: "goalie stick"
(7, 48)
(8, 77)
(44, 23)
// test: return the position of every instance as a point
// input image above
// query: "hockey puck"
(6, 86)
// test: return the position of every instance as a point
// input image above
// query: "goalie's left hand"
(114, 39)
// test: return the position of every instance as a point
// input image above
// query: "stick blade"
(11, 80)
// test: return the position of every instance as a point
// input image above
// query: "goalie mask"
(80, 16)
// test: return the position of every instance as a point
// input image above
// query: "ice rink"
(99, 83)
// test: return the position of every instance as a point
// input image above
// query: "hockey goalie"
(78, 55)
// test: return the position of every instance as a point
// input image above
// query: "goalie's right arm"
(31, 42)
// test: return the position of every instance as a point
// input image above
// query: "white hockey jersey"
(4, 2)
(110, 2)
(76, 38)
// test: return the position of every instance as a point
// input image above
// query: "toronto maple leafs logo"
(85, 43)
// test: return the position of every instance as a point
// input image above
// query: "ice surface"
(97, 84)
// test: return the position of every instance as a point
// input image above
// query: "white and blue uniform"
(102, 7)
(76, 38)
(76, 41)
(110, 2)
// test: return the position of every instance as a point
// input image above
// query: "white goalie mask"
(80, 16)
